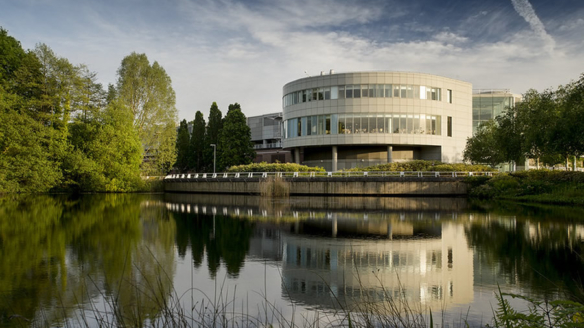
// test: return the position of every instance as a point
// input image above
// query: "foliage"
(274, 167)
(421, 165)
(197, 144)
(545, 186)
(27, 163)
(235, 146)
(182, 147)
(545, 126)
(212, 135)
(146, 89)
(480, 148)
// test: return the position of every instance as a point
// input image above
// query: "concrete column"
(334, 159)
(297, 155)
(389, 155)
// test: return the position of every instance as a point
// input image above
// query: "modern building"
(487, 104)
(340, 121)
(266, 134)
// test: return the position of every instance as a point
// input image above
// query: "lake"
(232, 260)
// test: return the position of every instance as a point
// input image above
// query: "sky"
(228, 51)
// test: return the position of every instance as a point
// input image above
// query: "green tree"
(482, 148)
(182, 146)
(509, 136)
(235, 143)
(568, 134)
(197, 143)
(146, 89)
(212, 133)
(108, 152)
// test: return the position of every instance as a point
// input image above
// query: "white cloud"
(525, 10)
(449, 37)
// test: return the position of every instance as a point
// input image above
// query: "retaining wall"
(338, 186)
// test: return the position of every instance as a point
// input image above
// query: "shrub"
(274, 167)
(421, 165)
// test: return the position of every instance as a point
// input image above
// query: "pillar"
(334, 169)
(297, 155)
(389, 155)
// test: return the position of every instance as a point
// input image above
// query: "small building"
(266, 134)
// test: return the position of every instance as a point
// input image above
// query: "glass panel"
(320, 94)
(396, 91)
(429, 125)
(423, 92)
(327, 93)
(403, 91)
(328, 124)
(428, 93)
(449, 126)
(372, 93)
(303, 95)
(357, 91)
(417, 124)
(334, 124)
(380, 91)
(315, 94)
(388, 91)
(356, 124)
(416, 92)
(349, 124)
(309, 95)
(341, 92)
(341, 128)
(309, 126)
(321, 124)
(364, 90)
(403, 127)
(364, 124)
(380, 127)
(314, 125)
(439, 94)
(304, 125)
(299, 128)
(349, 89)
(410, 124)
(334, 92)
(410, 91)
(395, 123)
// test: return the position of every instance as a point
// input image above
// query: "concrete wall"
(330, 186)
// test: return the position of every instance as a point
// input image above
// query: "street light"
(214, 155)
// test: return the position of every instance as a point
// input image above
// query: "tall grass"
(274, 186)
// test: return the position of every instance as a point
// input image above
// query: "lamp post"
(214, 155)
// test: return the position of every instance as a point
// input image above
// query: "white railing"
(368, 174)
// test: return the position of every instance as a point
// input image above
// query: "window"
(379, 93)
(365, 91)
(320, 94)
(299, 130)
(449, 96)
(388, 91)
(349, 91)
(304, 125)
(334, 92)
(449, 127)
(357, 91)
(341, 92)
(327, 93)
(396, 91)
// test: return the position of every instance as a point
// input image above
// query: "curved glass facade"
(406, 91)
(390, 123)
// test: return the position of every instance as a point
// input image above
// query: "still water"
(93, 259)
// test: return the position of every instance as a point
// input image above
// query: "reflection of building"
(357, 119)
(488, 104)
(429, 272)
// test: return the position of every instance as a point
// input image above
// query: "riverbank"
(534, 186)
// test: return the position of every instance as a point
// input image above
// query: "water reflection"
(128, 253)
(105, 252)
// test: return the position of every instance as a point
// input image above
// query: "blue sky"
(245, 51)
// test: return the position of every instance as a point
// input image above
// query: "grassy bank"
(537, 186)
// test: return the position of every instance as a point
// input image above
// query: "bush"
(421, 165)
(274, 167)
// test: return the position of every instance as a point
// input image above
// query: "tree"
(182, 146)
(568, 135)
(197, 143)
(482, 148)
(147, 91)
(509, 136)
(212, 133)
(235, 143)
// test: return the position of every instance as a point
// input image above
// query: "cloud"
(525, 10)
(449, 37)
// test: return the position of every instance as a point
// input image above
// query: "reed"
(274, 186)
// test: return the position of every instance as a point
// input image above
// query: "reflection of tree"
(221, 238)
(58, 252)
(543, 255)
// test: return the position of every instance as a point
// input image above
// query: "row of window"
(366, 91)
(363, 123)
